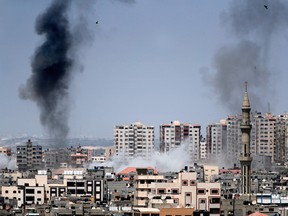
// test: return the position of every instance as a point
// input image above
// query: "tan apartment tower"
(245, 158)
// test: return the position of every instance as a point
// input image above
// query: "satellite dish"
(254, 202)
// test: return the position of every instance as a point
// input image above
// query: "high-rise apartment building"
(135, 140)
(29, 156)
(177, 133)
(265, 130)
(203, 149)
(267, 137)
(233, 138)
(216, 138)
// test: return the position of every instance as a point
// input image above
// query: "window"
(29, 191)
(30, 198)
(14, 191)
(214, 210)
(184, 183)
(192, 183)
(38, 192)
(70, 184)
(214, 191)
(161, 191)
(201, 191)
(215, 200)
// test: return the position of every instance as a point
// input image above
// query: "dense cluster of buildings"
(63, 181)
(268, 139)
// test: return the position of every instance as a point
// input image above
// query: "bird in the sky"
(96, 22)
(266, 7)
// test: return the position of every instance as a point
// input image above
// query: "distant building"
(5, 150)
(29, 156)
(54, 158)
(98, 159)
(177, 133)
(216, 138)
(135, 140)
(203, 149)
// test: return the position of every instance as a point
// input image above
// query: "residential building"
(54, 158)
(265, 139)
(203, 149)
(135, 140)
(41, 188)
(5, 150)
(210, 171)
(177, 133)
(281, 139)
(29, 156)
(216, 139)
(183, 192)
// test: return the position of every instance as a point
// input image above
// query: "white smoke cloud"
(174, 160)
(7, 162)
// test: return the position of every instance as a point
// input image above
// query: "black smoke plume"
(253, 27)
(51, 66)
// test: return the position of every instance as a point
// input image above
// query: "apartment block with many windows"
(135, 140)
(29, 156)
(175, 134)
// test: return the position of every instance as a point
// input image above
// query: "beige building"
(5, 150)
(209, 172)
(154, 191)
(265, 130)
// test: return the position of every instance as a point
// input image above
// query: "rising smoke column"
(51, 66)
(254, 28)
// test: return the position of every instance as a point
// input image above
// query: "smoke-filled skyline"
(141, 62)
(248, 58)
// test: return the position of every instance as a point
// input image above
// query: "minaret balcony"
(245, 158)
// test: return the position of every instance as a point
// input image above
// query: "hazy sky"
(152, 61)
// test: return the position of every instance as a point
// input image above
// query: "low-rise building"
(182, 192)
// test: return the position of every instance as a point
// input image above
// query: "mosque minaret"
(245, 158)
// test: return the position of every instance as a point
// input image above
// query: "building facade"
(29, 156)
(177, 133)
(135, 140)
(154, 191)
(216, 139)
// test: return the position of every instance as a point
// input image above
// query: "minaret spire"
(246, 86)
(245, 158)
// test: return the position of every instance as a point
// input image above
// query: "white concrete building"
(135, 140)
(177, 133)
(39, 190)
